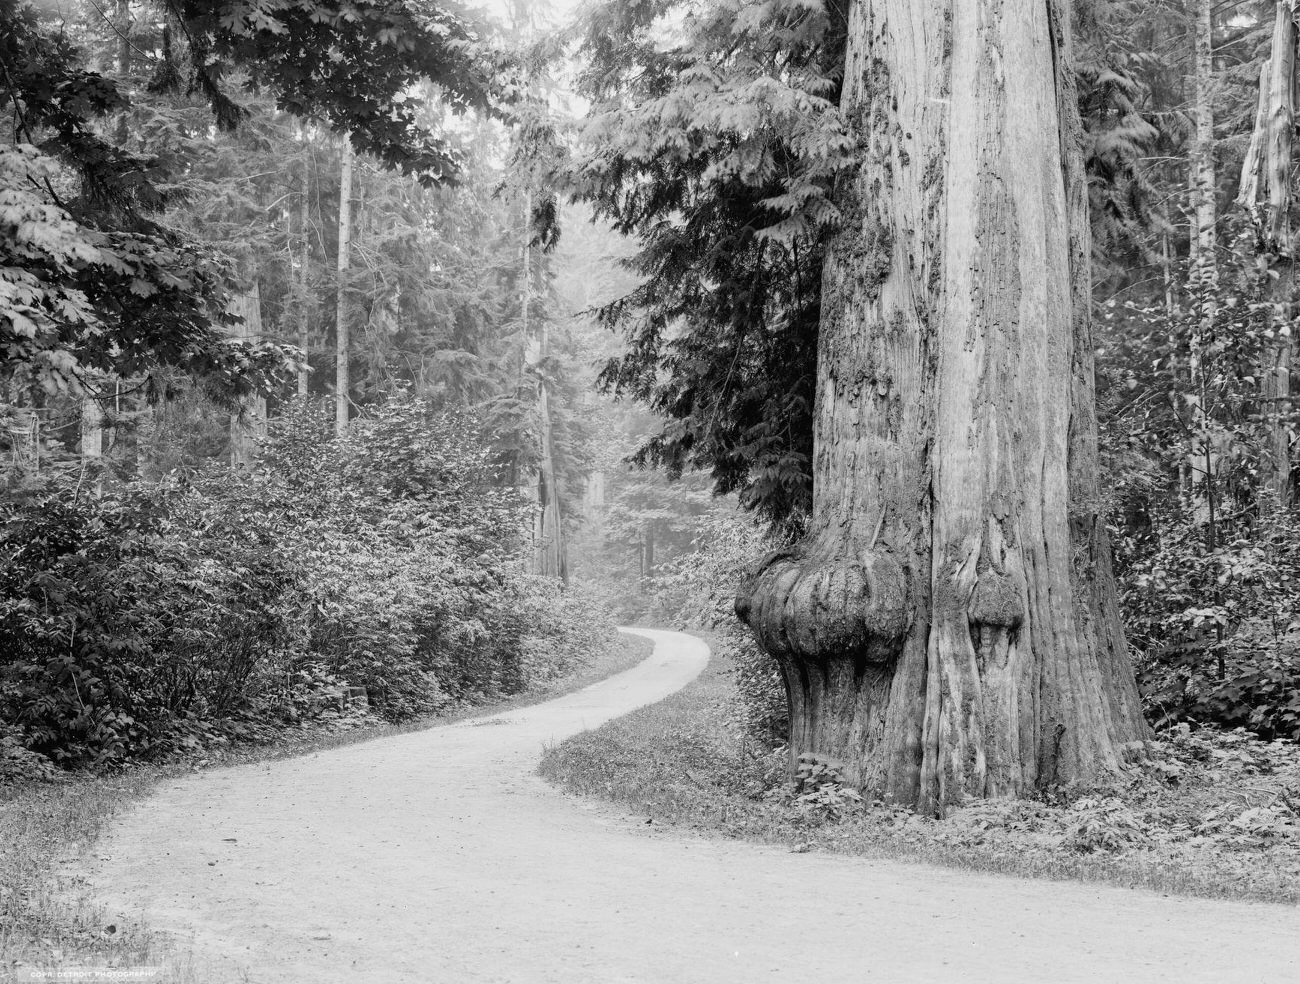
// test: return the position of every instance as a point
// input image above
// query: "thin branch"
(109, 22)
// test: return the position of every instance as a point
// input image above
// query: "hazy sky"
(560, 9)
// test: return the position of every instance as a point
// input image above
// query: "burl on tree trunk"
(949, 627)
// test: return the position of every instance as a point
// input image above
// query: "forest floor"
(49, 829)
(1212, 814)
(440, 855)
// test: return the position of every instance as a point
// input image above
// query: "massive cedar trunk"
(949, 625)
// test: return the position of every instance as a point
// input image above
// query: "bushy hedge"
(1215, 626)
(158, 615)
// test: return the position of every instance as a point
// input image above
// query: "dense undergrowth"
(380, 575)
(1211, 615)
(1215, 813)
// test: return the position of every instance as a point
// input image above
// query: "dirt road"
(438, 856)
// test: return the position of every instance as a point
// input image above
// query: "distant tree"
(95, 281)
(719, 154)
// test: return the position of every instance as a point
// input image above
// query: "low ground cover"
(1214, 813)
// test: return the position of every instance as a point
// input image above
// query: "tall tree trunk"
(304, 301)
(949, 626)
(343, 344)
(123, 27)
(1276, 391)
(1203, 274)
(549, 555)
(1266, 172)
(248, 423)
(95, 438)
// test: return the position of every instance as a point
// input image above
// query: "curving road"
(438, 856)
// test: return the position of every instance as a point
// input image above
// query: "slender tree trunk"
(95, 437)
(248, 423)
(342, 348)
(1203, 274)
(304, 319)
(949, 626)
(1278, 159)
(549, 555)
(1204, 262)
(1276, 389)
(92, 428)
(123, 25)
(146, 437)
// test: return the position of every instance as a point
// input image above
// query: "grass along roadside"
(48, 828)
(1214, 815)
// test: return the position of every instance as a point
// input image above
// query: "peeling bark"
(949, 626)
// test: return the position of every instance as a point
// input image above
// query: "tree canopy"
(95, 278)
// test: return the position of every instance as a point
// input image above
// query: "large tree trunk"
(949, 626)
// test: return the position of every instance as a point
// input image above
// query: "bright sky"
(559, 10)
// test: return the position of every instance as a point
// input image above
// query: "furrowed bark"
(949, 627)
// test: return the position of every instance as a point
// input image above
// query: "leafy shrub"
(820, 793)
(18, 763)
(1214, 627)
(113, 628)
(702, 587)
(164, 616)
